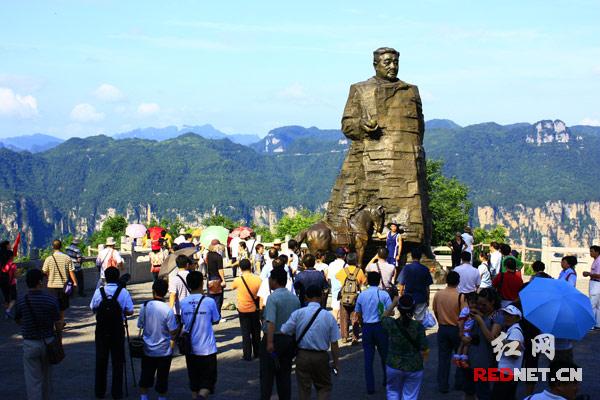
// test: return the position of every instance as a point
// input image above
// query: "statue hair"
(383, 50)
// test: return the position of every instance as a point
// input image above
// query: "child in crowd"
(465, 325)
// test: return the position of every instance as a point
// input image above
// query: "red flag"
(16, 244)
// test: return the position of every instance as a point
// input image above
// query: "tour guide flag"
(556, 307)
(16, 244)
(214, 232)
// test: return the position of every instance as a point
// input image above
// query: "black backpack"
(109, 314)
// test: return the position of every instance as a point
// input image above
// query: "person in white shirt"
(336, 286)
(559, 389)
(469, 275)
(467, 236)
(292, 256)
(484, 270)
(320, 264)
(178, 289)
(159, 328)
(383, 268)
(495, 259)
(251, 245)
(514, 340)
(181, 238)
(202, 363)
(234, 247)
(108, 257)
(264, 290)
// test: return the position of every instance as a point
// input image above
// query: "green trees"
(112, 227)
(293, 225)
(494, 234)
(448, 203)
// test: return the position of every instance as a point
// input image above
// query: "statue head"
(385, 61)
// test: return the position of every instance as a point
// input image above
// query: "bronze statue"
(354, 233)
(385, 165)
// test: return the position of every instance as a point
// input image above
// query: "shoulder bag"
(310, 323)
(184, 341)
(54, 349)
(68, 286)
(136, 344)
(254, 299)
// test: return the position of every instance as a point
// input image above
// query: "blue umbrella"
(556, 307)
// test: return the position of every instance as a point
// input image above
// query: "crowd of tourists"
(294, 308)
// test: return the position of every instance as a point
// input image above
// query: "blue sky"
(77, 68)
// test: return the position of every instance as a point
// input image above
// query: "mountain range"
(538, 179)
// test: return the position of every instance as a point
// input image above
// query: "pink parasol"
(243, 232)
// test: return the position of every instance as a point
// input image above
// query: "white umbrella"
(135, 231)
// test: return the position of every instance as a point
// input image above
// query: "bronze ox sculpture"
(354, 233)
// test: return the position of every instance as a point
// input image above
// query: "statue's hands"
(369, 125)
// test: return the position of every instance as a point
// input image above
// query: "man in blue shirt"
(312, 361)
(309, 277)
(370, 306)
(202, 363)
(275, 355)
(110, 335)
(415, 279)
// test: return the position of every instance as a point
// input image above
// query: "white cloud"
(145, 109)
(590, 122)
(15, 105)
(85, 112)
(109, 93)
(294, 92)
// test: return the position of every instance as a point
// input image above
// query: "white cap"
(512, 310)
(182, 231)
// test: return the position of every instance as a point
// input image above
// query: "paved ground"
(237, 379)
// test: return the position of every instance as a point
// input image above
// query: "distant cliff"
(565, 224)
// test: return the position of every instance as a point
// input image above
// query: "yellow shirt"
(360, 277)
(245, 303)
(58, 272)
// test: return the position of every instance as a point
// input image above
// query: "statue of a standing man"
(385, 164)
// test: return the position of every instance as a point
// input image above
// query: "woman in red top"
(8, 281)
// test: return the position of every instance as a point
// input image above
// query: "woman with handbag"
(407, 350)
(216, 275)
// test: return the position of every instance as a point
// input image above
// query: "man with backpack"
(316, 331)
(111, 304)
(352, 279)
(108, 257)
(178, 288)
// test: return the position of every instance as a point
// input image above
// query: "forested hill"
(521, 163)
(74, 185)
(185, 174)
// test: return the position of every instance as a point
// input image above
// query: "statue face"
(387, 67)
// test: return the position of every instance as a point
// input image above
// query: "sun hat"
(512, 310)
(276, 241)
(110, 241)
